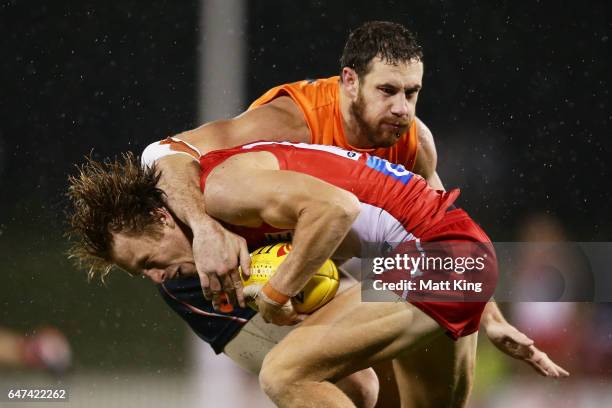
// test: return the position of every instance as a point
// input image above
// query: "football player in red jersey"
(305, 189)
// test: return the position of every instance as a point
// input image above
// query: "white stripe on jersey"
(374, 224)
(348, 154)
(373, 233)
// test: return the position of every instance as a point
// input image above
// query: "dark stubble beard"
(373, 135)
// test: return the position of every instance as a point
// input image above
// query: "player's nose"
(156, 275)
(400, 106)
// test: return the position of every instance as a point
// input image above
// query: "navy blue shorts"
(185, 297)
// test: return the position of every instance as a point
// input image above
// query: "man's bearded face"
(386, 101)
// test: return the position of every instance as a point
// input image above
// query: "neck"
(352, 131)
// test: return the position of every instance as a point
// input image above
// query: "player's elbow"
(345, 207)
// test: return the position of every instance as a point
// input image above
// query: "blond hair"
(109, 197)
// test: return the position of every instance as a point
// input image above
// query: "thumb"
(245, 260)
(205, 284)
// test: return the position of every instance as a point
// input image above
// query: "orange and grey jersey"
(319, 102)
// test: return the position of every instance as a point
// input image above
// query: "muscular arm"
(217, 252)
(501, 333)
(277, 120)
(180, 181)
(248, 190)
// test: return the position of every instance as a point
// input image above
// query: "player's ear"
(350, 82)
(164, 216)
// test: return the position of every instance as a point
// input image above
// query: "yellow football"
(319, 290)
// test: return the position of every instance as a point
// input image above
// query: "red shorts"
(457, 274)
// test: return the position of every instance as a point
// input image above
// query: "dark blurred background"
(515, 93)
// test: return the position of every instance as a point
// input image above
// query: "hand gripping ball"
(319, 290)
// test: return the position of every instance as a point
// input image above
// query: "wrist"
(201, 222)
(274, 295)
(492, 314)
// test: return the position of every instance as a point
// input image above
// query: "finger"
(554, 368)
(562, 371)
(245, 259)
(216, 300)
(205, 284)
(548, 369)
(215, 289)
(235, 277)
(208, 294)
(552, 371)
(543, 364)
(229, 289)
(539, 369)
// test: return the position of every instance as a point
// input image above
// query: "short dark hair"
(392, 42)
(109, 197)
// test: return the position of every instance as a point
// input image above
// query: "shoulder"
(284, 105)
(283, 111)
(235, 163)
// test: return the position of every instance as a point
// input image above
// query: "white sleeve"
(157, 150)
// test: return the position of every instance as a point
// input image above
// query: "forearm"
(492, 314)
(180, 181)
(318, 233)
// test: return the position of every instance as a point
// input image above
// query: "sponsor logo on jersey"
(397, 171)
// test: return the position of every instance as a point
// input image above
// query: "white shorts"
(250, 346)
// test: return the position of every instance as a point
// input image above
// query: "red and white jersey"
(396, 204)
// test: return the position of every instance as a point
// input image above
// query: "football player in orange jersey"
(370, 107)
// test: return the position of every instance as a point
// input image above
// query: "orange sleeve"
(302, 99)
